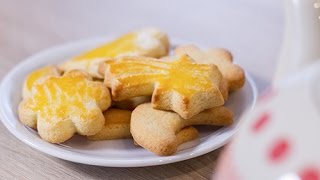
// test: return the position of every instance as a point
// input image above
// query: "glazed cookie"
(61, 106)
(223, 84)
(38, 76)
(117, 125)
(146, 42)
(156, 130)
(181, 85)
(233, 73)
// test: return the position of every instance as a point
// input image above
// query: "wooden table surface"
(251, 30)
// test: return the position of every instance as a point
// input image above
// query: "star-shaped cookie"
(181, 85)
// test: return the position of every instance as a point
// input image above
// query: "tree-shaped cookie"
(61, 106)
(160, 131)
(181, 86)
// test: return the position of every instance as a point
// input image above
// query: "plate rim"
(89, 160)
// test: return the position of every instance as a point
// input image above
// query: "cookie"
(156, 130)
(38, 76)
(183, 136)
(117, 125)
(131, 103)
(233, 73)
(181, 85)
(224, 89)
(61, 106)
(146, 42)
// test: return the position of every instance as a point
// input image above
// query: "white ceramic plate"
(113, 153)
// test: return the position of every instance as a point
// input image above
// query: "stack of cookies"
(131, 88)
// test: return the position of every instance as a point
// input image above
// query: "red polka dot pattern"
(279, 150)
(261, 122)
(309, 174)
(267, 95)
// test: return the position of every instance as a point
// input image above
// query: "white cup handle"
(301, 44)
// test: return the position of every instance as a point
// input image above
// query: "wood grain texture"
(27, 27)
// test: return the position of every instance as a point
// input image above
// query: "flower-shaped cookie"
(222, 58)
(61, 106)
(36, 77)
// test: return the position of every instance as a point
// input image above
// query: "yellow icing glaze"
(183, 75)
(122, 45)
(39, 74)
(69, 95)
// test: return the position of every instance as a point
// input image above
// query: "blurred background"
(252, 30)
